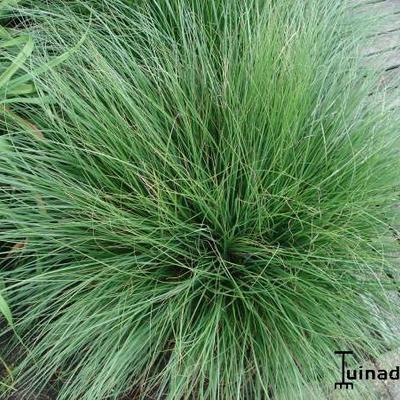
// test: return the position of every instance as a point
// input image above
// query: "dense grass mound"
(202, 204)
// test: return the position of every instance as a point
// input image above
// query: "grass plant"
(208, 211)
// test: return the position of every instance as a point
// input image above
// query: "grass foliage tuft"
(202, 205)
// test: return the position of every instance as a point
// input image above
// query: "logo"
(351, 375)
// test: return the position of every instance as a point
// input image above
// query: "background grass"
(202, 205)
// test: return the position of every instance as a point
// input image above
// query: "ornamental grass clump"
(208, 211)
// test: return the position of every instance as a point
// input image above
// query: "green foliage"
(5, 310)
(14, 51)
(208, 211)
(16, 87)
